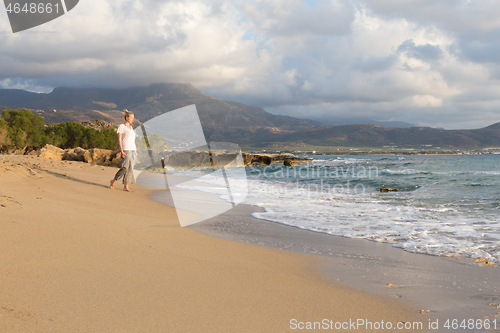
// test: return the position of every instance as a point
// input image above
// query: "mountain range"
(224, 120)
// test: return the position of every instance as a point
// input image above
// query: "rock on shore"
(93, 156)
(182, 160)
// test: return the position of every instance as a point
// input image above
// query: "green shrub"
(4, 140)
(22, 129)
(25, 129)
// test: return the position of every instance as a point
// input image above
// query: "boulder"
(102, 157)
(256, 159)
(114, 158)
(96, 156)
(51, 152)
(289, 162)
(93, 156)
(267, 159)
(247, 159)
(33, 152)
(75, 154)
(388, 189)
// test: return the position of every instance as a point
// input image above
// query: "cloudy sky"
(427, 62)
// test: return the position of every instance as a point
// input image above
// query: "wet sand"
(449, 288)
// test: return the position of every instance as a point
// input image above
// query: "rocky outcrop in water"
(388, 189)
(267, 159)
(289, 162)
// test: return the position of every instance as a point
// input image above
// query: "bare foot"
(125, 188)
(112, 184)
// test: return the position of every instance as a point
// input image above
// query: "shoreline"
(79, 256)
(447, 287)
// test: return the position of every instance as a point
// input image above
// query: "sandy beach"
(80, 257)
(450, 288)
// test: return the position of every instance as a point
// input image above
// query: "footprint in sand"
(8, 202)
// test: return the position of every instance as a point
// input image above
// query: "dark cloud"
(425, 52)
(478, 51)
(368, 63)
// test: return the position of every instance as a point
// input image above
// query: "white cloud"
(420, 101)
(426, 62)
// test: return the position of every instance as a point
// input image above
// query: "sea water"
(445, 205)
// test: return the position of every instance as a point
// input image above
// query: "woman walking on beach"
(126, 138)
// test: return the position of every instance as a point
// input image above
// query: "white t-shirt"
(128, 137)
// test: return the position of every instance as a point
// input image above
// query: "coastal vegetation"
(21, 130)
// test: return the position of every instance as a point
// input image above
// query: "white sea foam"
(437, 231)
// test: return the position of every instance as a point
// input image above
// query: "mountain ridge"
(224, 120)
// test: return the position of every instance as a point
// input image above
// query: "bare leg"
(112, 184)
(126, 188)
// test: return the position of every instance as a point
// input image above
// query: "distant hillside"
(358, 120)
(400, 124)
(224, 120)
(147, 102)
(13, 97)
(368, 135)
